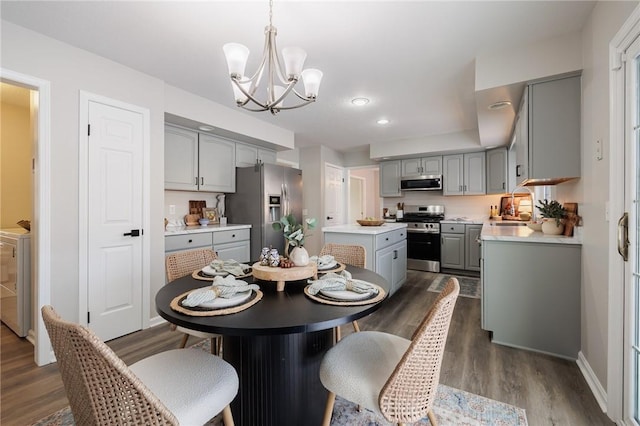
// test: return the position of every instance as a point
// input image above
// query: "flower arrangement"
(294, 232)
(552, 210)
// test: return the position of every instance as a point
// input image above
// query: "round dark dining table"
(276, 346)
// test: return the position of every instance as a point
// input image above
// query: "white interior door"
(631, 308)
(333, 195)
(356, 199)
(115, 216)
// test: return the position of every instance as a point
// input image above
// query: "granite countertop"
(183, 230)
(490, 232)
(465, 220)
(355, 228)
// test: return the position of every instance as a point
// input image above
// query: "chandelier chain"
(270, 13)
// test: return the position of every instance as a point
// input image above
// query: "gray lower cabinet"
(531, 296)
(472, 247)
(233, 244)
(452, 241)
(386, 253)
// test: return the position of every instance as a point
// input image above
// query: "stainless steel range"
(423, 236)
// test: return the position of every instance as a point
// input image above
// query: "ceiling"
(415, 60)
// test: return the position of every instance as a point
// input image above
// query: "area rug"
(452, 407)
(469, 286)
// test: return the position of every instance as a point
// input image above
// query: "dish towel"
(323, 261)
(342, 281)
(231, 266)
(226, 287)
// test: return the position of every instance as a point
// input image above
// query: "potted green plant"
(552, 210)
(294, 234)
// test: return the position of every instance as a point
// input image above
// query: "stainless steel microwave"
(421, 183)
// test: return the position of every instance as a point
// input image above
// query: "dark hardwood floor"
(551, 390)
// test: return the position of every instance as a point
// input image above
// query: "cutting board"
(195, 207)
(572, 218)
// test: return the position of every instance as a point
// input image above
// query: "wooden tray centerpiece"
(282, 275)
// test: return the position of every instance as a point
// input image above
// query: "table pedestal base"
(279, 378)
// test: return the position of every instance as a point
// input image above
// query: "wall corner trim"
(593, 382)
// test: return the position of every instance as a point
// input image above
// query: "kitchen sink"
(509, 224)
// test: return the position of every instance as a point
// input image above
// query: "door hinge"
(88, 317)
(88, 129)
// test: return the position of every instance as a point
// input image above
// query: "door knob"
(133, 233)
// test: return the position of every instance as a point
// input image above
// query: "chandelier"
(244, 88)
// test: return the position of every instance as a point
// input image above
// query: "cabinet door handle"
(201, 181)
(465, 188)
(460, 188)
(623, 236)
(503, 185)
(518, 170)
(190, 241)
(196, 180)
(233, 235)
(395, 254)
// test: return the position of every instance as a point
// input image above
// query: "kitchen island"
(531, 289)
(385, 246)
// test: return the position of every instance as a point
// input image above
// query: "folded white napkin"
(226, 287)
(323, 261)
(342, 281)
(231, 266)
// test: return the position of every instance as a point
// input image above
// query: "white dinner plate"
(208, 270)
(328, 266)
(221, 302)
(346, 295)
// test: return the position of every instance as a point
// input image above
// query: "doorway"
(40, 221)
(367, 184)
(357, 194)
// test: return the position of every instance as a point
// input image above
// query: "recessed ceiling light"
(359, 101)
(383, 121)
(205, 128)
(499, 105)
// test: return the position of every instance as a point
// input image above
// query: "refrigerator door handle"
(286, 199)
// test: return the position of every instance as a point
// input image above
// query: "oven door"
(423, 250)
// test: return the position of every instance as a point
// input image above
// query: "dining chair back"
(349, 254)
(181, 264)
(392, 376)
(102, 390)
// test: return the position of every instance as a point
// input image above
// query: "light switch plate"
(172, 209)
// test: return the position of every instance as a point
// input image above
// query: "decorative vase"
(550, 227)
(299, 256)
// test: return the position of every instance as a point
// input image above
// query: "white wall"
(593, 188)
(548, 57)
(371, 176)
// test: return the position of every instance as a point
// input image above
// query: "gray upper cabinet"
(217, 159)
(549, 146)
(464, 174)
(180, 159)
(425, 166)
(497, 171)
(248, 155)
(390, 178)
(198, 162)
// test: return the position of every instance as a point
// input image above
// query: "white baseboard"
(593, 382)
(157, 320)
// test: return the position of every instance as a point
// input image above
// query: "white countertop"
(524, 234)
(15, 233)
(355, 228)
(465, 220)
(182, 230)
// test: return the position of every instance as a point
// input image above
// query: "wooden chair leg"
(356, 327)
(220, 346)
(184, 341)
(338, 334)
(227, 417)
(432, 418)
(213, 346)
(328, 410)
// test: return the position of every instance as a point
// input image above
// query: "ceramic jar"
(299, 256)
(274, 258)
(264, 256)
(550, 227)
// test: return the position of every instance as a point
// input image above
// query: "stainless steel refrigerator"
(265, 193)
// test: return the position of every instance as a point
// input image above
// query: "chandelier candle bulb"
(237, 55)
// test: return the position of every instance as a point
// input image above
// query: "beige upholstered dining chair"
(173, 387)
(349, 254)
(184, 263)
(392, 376)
